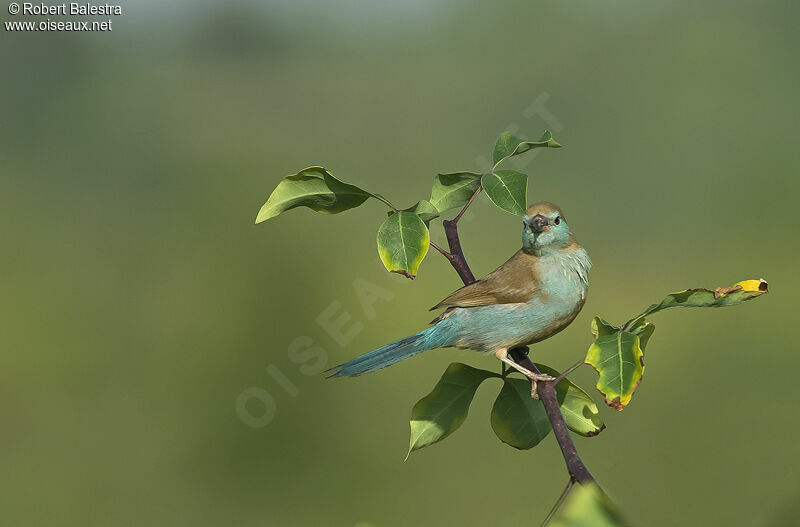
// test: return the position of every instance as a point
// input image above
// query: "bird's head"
(544, 228)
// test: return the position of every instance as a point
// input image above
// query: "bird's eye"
(557, 220)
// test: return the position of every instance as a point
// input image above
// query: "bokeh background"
(139, 300)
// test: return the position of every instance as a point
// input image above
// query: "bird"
(532, 296)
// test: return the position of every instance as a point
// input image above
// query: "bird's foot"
(535, 378)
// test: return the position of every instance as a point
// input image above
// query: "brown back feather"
(516, 281)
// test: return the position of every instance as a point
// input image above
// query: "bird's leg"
(502, 354)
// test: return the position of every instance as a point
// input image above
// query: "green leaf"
(317, 189)
(580, 413)
(507, 189)
(424, 209)
(517, 419)
(402, 243)
(508, 145)
(587, 506)
(441, 412)
(619, 362)
(720, 297)
(521, 421)
(453, 190)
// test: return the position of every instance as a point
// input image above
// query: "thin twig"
(442, 251)
(559, 501)
(567, 372)
(474, 194)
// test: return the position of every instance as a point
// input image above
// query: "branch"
(547, 393)
(456, 254)
(547, 390)
(456, 257)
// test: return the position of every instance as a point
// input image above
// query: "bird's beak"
(538, 223)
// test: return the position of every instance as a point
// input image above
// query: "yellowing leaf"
(720, 297)
(619, 361)
(403, 242)
(617, 353)
(760, 285)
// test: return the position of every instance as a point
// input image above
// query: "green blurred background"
(139, 301)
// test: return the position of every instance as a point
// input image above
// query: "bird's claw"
(535, 377)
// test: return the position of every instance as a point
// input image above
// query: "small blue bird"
(531, 297)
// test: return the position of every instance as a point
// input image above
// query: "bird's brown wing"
(515, 281)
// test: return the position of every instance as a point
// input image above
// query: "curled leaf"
(644, 330)
(600, 327)
(508, 145)
(720, 297)
(315, 188)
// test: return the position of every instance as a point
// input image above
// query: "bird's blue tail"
(385, 355)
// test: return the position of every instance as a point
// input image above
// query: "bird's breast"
(563, 280)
